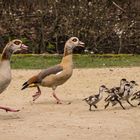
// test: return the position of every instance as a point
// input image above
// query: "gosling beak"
(81, 44)
(106, 90)
(24, 47)
(84, 99)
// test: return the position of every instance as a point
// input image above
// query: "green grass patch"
(29, 61)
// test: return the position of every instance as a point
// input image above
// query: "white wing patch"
(58, 72)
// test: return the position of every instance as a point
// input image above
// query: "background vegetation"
(106, 26)
(37, 61)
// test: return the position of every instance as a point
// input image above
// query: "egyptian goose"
(56, 75)
(136, 96)
(128, 91)
(114, 99)
(94, 99)
(117, 91)
(5, 69)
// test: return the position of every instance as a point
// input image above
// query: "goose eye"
(74, 40)
(17, 42)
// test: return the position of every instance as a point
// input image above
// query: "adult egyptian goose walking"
(56, 75)
(5, 69)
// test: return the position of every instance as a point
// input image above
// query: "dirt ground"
(46, 120)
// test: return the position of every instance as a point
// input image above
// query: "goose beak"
(106, 90)
(24, 47)
(81, 44)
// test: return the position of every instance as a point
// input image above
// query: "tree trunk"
(42, 44)
(120, 45)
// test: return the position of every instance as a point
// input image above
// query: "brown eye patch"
(17, 42)
(74, 40)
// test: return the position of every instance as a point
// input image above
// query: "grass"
(29, 61)
(107, 60)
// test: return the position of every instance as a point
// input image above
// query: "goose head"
(103, 88)
(17, 45)
(123, 82)
(71, 44)
(133, 84)
(127, 87)
(11, 47)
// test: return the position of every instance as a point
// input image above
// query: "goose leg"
(107, 98)
(38, 93)
(130, 103)
(7, 109)
(57, 99)
(95, 106)
(90, 107)
(107, 105)
(120, 103)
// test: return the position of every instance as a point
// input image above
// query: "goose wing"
(44, 73)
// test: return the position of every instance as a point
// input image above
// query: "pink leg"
(58, 100)
(9, 109)
(38, 93)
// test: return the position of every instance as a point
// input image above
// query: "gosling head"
(133, 83)
(123, 81)
(103, 88)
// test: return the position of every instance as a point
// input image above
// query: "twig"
(118, 6)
